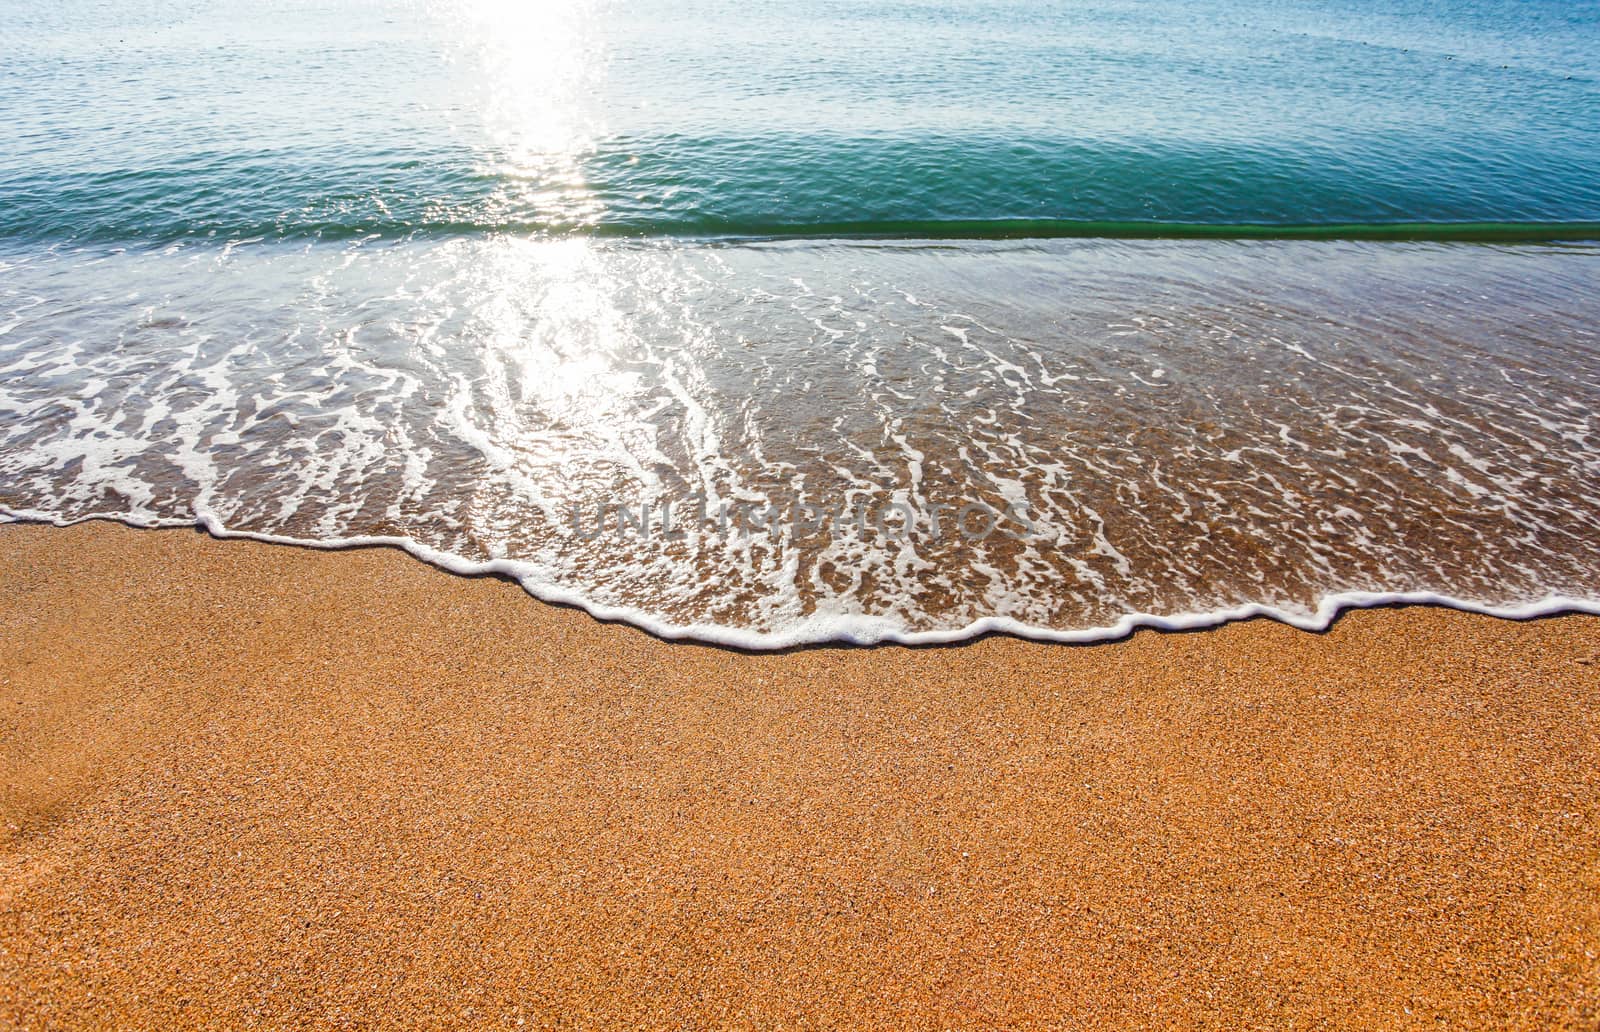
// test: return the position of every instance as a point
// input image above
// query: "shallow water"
(1182, 426)
(515, 287)
(155, 121)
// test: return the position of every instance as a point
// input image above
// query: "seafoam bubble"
(1192, 430)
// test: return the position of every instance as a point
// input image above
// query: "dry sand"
(255, 786)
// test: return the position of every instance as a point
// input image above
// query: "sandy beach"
(248, 785)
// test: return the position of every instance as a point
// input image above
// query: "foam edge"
(841, 630)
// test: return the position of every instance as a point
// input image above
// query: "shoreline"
(849, 634)
(259, 783)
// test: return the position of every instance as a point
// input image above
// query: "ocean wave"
(829, 185)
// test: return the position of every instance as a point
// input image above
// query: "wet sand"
(246, 785)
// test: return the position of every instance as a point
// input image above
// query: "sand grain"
(253, 786)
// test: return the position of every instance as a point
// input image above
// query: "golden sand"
(245, 785)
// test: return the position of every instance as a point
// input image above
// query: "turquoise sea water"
(489, 280)
(160, 121)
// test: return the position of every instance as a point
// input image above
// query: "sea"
(777, 323)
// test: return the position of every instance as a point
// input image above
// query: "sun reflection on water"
(557, 403)
(535, 71)
(553, 406)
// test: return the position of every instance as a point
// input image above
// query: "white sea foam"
(859, 629)
(1304, 448)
